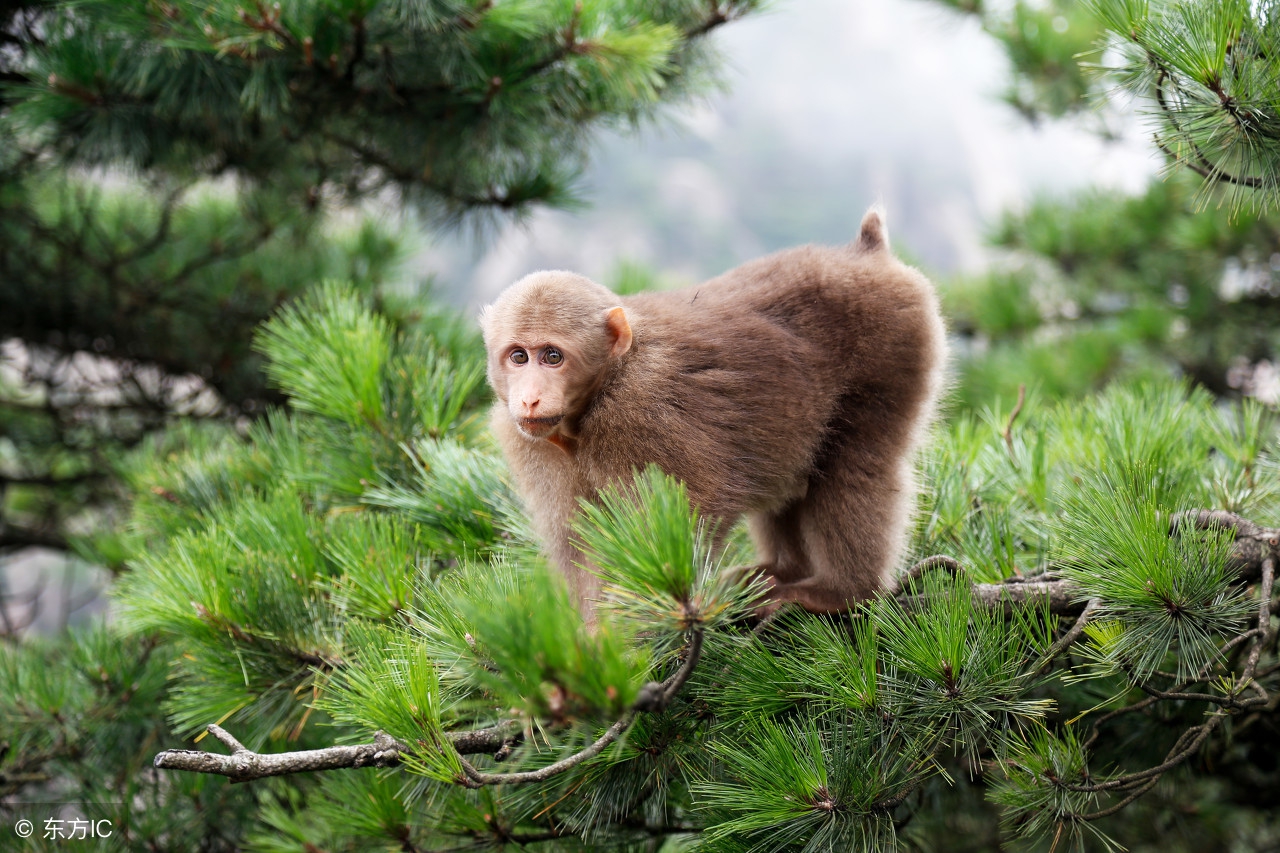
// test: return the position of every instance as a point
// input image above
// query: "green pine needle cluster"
(658, 558)
(514, 636)
(1211, 70)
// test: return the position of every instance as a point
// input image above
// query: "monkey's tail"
(873, 236)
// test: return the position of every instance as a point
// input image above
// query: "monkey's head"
(550, 338)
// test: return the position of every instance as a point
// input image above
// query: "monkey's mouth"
(538, 427)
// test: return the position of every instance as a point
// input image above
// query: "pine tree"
(1085, 643)
(168, 171)
(1090, 614)
(1180, 278)
(1103, 285)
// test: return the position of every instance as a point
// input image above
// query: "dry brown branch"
(1013, 416)
(244, 765)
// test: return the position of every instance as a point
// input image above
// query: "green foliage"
(1211, 69)
(496, 113)
(655, 555)
(344, 568)
(958, 666)
(171, 273)
(1104, 286)
(130, 306)
(167, 175)
(81, 722)
(826, 784)
(390, 685)
(1044, 41)
(327, 353)
(516, 636)
(1036, 810)
(1114, 531)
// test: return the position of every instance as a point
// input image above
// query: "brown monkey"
(792, 389)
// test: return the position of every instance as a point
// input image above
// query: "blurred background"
(825, 107)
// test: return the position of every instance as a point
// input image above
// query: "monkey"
(792, 390)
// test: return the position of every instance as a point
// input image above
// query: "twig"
(1071, 636)
(1264, 618)
(653, 697)
(1194, 737)
(478, 779)
(1202, 165)
(937, 561)
(1013, 416)
(1176, 755)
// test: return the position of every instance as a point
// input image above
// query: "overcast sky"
(831, 105)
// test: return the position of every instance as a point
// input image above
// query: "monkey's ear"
(873, 235)
(619, 329)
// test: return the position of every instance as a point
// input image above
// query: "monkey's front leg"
(550, 486)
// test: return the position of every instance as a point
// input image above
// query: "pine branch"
(244, 765)
(477, 779)
(653, 697)
(1253, 552)
(1135, 784)
(1200, 163)
(1253, 542)
(1253, 545)
(1071, 636)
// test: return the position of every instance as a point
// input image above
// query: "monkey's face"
(543, 383)
(550, 338)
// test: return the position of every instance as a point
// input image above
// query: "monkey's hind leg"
(849, 529)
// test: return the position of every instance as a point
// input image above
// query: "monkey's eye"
(552, 356)
(519, 356)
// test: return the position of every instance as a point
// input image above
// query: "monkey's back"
(737, 385)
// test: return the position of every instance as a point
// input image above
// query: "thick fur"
(792, 389)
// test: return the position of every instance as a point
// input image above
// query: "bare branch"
(1264, 619)
(1071, 636)
(654, 696)
(478, 779)
(1254, 543)
(244, 765)
(928, 564)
